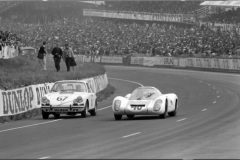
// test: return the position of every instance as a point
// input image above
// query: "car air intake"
(138, 105)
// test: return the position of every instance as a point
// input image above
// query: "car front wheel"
(84, 112)
(45, 115)
(94, 111)
(174, 113)
(118, 117)
(164, 115)
(56, 115)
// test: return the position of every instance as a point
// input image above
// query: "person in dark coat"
(42, 56)
(57, 55)
(69, 57)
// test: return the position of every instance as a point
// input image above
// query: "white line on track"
(104, 108)
(131, 135)
(126, 81)
(44, 158)
(181, 119)
(204, 109)
(29, 125)
(214, 102)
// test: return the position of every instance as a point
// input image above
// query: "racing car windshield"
(69, 86)
(143, 94)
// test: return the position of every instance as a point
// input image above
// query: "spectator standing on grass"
(42, 56)
(57, 55)
(68, 57)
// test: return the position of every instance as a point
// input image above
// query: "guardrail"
(179, 62)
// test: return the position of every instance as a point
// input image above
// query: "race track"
(207, 124)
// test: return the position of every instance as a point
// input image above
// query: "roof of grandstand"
(230, 3)
(94, 2)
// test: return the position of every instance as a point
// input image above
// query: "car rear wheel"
(174, 113)
(118, 117)
(56, 115)
(84, 112)
(45, 115)
(130, 116)
(94, 111)
(164, 115)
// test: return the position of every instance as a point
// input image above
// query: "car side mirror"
(128, 96)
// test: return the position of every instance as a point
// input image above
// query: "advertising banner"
(182, 62)
(110, 59)
(101, 82)
(215, 63)
(97, 59)
(159, 61)
(137, 60)
(79, 58)
(17, 101)
(175, 62)
(87, 58)
(224, 63)
(39, 91)
(207, 62)
(236, 64)
(168, 61)
(149, 61)
(189, 62)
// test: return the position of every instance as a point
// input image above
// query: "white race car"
(69, 97)
(145, 101)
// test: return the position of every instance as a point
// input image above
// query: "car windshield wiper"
(146, 96)
(149, 95)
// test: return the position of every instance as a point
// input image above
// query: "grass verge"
(23, 71)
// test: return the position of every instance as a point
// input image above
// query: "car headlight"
(78, 100)
(117, 105)
(157, 105)
(45, 100)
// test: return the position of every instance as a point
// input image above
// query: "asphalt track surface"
(207, 124)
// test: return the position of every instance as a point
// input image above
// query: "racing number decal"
(137, 107)
(62, 98)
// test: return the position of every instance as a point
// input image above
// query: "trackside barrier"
(210, 63)
(229, 64)
(111, 59)
(23, 99)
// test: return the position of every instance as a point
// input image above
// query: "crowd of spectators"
(107, 37)
(226, 17)
(99, 36)
(8, 39)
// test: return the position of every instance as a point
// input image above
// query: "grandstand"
(169, 28)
